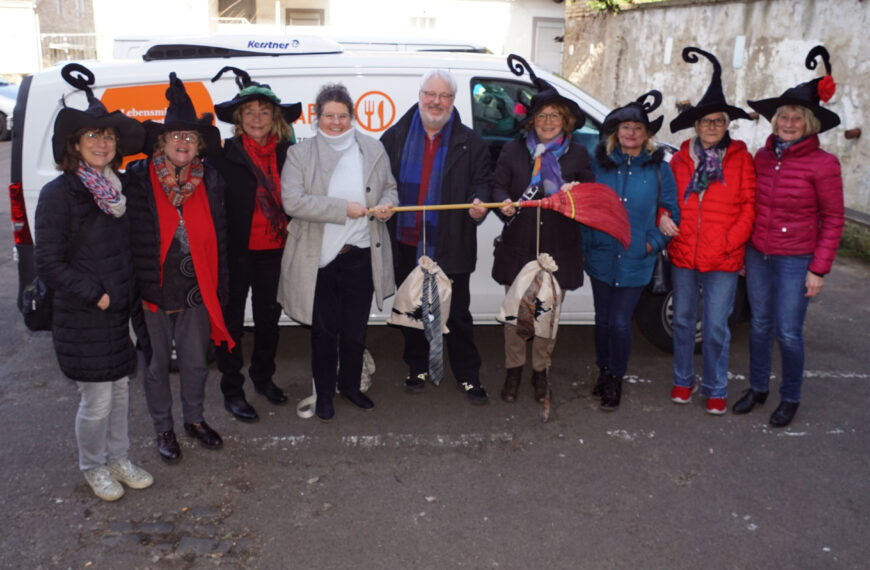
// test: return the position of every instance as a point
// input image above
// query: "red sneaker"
(716, 406)
(683, 394)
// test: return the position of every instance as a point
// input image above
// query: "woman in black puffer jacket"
(251, 165)
(82, 252)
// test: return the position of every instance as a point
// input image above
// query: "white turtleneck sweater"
(346, 183)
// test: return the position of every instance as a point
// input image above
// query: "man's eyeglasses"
(432, 95)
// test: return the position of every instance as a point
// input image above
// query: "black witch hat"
(637, 111)
(249, 91)
(181, 116)
(807, 94)
(713, 100)
(546, 95)
(69, 120)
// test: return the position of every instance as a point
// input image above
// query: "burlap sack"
(543, 307)
(408, 304)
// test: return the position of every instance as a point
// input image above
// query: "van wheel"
(5, 135)
(655, 319)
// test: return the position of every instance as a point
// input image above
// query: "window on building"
(307, 17)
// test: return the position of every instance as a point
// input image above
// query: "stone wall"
(761, 45)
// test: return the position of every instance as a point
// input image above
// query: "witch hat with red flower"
(807, 94)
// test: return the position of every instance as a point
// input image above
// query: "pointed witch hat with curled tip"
(637, 111)
(250, 90)
(713, 100)
(181, 116)
(69, 120)
(546, 95)
(808, 94)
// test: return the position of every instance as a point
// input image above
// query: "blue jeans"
(717, 297)
(777, 296)
(614, 309)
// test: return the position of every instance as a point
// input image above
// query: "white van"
(384, 85)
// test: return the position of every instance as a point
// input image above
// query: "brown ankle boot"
(511, 384)
(540, 383)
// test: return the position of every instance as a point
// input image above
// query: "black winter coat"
(145, 229)
(241, 193)
(467, 175)
(92, 345)
(560, 236)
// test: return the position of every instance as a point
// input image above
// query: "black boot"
(746, 402)
(602, 378)
(511, 383)
(784, 414)
(611, 393)
(541, 384)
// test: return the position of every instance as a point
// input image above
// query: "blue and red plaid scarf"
(408, 223)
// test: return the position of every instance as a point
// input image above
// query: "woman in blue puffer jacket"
(628, 161)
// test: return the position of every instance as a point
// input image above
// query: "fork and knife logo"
(375, 111)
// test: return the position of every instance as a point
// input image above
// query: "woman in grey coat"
(336, 255)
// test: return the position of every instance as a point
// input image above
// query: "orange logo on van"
(375, 111)
(144, 102)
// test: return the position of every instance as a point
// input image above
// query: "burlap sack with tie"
(534, 301)
(408, 302)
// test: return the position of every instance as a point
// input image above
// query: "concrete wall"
(618, 57)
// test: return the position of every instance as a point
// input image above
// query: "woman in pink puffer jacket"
(799, 220)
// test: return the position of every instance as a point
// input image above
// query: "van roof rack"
(248, 45)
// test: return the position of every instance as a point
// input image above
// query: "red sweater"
(800, 203)
(715, 225)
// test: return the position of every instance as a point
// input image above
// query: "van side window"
(499, 107)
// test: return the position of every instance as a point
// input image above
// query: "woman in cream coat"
(337, 254)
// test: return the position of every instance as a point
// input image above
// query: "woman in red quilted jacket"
(716, 185)
(799, 201)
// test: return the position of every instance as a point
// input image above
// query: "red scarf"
(264, 160)
(203, 248)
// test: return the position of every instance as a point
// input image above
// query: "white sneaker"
(130, 475)
(103, 485)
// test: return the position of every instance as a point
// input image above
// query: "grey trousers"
(190, 329)
(101, 422)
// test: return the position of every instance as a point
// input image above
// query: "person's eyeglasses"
(186, 137)
(108, 138)
(432, 95)
(335, 116)
(544, 117)
(712, 122)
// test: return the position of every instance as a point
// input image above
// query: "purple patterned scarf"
(709, 168)
(106, 195)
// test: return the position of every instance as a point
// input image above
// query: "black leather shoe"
(748, 400)
(241, 409)
(414, 383)
(360, 400)
(784, 414)
(208, 437)
(324, 410)
(272, 393)
(475, 392)
(168, 448)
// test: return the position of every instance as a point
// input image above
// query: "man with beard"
(438, 160)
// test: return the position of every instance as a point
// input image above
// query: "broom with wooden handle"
(592, 204)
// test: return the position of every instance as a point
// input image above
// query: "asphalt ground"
(429, 481)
